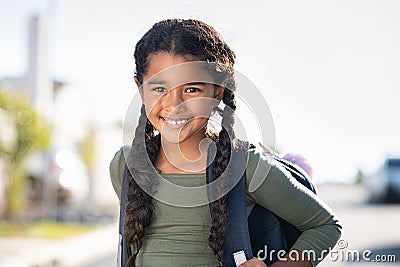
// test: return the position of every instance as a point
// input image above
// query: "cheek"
(152, 112)
(202, 106)
(151, 102)
(201, 109)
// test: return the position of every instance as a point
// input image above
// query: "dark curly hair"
(179, 37)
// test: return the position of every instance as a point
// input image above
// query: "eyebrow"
(155, 82)
(189, 83)
(196, 83)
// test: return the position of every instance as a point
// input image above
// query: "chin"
(172, 139)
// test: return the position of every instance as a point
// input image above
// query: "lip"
(175, 123)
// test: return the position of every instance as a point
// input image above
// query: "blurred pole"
(41, 92)
(40, 89)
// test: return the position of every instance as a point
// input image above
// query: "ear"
(219, 92)
(140, 88)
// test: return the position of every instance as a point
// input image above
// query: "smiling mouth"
(175, 122)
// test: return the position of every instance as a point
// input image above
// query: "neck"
(189, 156)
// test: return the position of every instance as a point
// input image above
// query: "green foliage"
(22, 131)
(31, 131)
(359, 177)
(15, 190)
(87, 147)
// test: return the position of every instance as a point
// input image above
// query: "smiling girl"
(184, 70)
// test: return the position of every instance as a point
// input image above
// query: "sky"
(328, 70)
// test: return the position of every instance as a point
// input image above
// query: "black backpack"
(251, 234)
(261, 231)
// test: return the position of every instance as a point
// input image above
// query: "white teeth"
(176, 122)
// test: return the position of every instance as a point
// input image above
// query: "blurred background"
(329, 71)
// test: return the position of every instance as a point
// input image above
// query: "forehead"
(176, 69)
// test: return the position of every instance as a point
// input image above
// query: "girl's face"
(178, 94)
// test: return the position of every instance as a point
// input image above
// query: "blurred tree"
(22, 131)
(359, 177)
(87, 149)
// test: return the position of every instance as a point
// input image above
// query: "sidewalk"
(70, 252)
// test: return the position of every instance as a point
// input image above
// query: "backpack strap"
(297, 172)
(237, 237)
(122, 247)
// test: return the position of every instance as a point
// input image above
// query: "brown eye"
(192, 90)
(159, 89)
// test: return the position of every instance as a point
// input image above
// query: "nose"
(173, 101)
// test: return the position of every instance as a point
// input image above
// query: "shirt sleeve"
(282, 194)
(117, 166)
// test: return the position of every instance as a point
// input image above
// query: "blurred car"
(384, 184)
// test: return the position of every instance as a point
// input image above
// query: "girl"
(174, 133)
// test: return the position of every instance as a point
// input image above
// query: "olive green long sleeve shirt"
(178, 236)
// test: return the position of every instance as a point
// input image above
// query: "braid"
(219, 212)
(140, 206)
